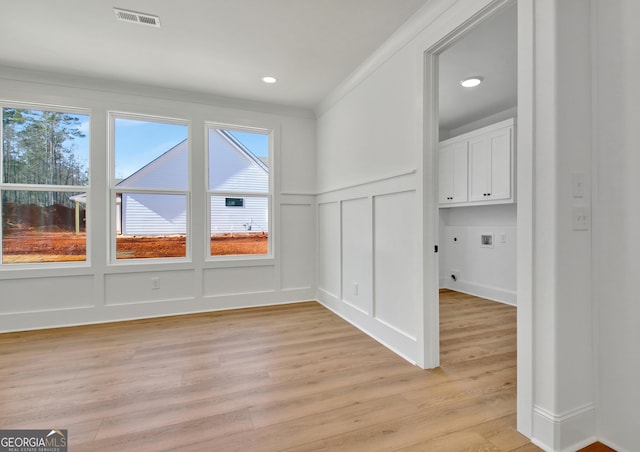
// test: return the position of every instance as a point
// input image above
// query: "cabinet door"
(452, 173)
(479, 169)
(490, 166)
(500, 143)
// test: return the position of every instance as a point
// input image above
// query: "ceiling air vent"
(139, 18)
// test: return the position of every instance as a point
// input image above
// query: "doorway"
(476, 155)
(441, 124)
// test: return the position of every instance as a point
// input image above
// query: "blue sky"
(81, 145)
(140, 142)
(258, 143)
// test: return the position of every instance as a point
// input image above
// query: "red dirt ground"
(24, 246)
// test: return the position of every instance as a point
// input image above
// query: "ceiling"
(489, 50)
(225, 47)
(217, 47)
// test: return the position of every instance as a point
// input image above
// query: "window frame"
(5, 186)
(238, 259)
(114, 192)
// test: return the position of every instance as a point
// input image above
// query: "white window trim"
(113, 190)
(46, 187)
(241, 260)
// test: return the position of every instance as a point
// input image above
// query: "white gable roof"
(234, 168)
(169, 171)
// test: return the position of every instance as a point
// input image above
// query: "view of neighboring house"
(235, 169)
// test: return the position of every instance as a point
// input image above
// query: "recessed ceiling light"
(269, 79)
(470, 82)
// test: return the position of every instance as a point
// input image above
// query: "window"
(239, 191)
(149, 187)
(234, 202)
(44, 184)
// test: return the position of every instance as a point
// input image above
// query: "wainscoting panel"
(329, 248)
(297, 237)
(146, 287)
(368, 259)
(357, 268)
(238, 281)
(396, 261)
(25, 295)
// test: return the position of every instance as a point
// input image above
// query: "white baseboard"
(395, 340)
(90, 315)
(567, 432)
(490, 293)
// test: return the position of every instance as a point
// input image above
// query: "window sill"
(239, 261)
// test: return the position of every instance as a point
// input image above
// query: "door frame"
(524, 190)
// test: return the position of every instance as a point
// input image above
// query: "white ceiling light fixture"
(269, 79)
(470, 82)
(138, 18)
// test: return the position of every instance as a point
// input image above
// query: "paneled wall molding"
(295, 195)
(357, 308)
(410, 337)
(367, 259)
(58, 295)
(564, 432)
(400, 344)
(86, 315)
(363, 185)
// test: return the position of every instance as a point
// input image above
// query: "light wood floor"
(294, 378)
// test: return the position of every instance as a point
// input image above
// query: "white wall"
(370, 163)
(485, 272)
(368, 205)
(617, 222)
(49, 296)
(563, 393)
(482, 122)
(369, 144)
(366, 133)
(368, 260)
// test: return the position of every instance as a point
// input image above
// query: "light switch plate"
(578, 189)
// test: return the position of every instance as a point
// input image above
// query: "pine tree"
(38, 148)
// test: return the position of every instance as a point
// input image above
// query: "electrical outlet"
(355, 288)
(486, 241)
(580, 218)
(155, 283)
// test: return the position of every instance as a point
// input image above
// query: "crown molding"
(157, 92)
(400, 38)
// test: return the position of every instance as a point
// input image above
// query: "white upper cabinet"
(490, 166)
(488, 173)
(452, 172)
